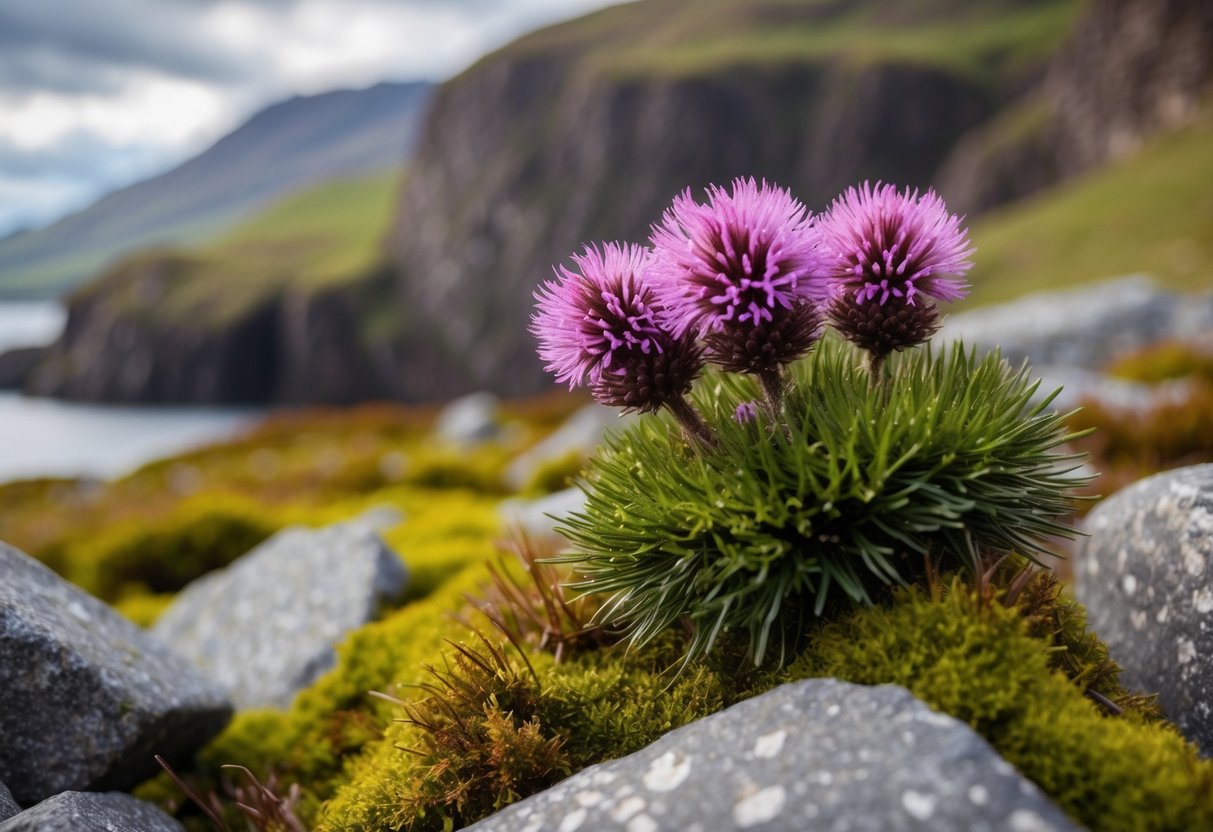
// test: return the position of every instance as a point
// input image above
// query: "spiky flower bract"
(601, 324)
(949, 462)
(891, 253)
(739, 269)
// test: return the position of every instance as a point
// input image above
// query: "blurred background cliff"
(374, 226)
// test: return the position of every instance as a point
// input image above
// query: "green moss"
(495, 737)
(555, 474)
(979, 664)
(443, 534)
(143, 609)
(1164, 362)
(165, 554)
(447, 467)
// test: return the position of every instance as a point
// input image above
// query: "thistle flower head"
(739, 259)
(883, 244)
(601, 324)
(591, 314)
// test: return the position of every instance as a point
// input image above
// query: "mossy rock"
(162, 555)
(1018, 665)
(979, 663)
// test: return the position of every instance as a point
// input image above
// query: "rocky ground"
(283, 577)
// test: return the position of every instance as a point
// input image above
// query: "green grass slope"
(319, 237)
(979, 40)
(286, 147)
(1151, 213)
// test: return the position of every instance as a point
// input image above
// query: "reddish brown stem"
(771, 380)
(876, 369)
(692, 423)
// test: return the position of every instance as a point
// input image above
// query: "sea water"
(49, 438)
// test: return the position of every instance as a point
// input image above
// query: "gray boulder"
(1145, 575)
(1077, 385)
(1085, 327)
(541, 515)
(92, 812)
(86, 697)
(468, 420)
(580, 434)
(817, 754)
(266, 626)
(8, 806)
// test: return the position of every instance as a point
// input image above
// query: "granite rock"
(468, 420)
(1145, 575)
(1084, 327)
(1078, 385)
(541, 515)
(266, 626)
(86, 697)
(91, 812)
(8, 806)
(580, 434)
(818, 754)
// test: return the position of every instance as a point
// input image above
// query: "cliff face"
(550, 144)
(297, 346)
(1132, 68)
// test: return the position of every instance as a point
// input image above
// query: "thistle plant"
(848, 481)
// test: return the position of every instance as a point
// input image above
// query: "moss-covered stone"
(165, 555)
(979, 663)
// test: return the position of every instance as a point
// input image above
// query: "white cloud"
(149, 108)
(168, 77)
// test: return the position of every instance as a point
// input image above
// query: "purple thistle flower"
(883, 244)
(746, 413)
(589, 315)
(601, 324)
(739, 259)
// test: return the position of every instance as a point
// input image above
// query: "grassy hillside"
(976, 39)
(319, 237)
(291, 145)
(1151, 213)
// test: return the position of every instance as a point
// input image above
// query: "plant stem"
(771, 380)
(692, 423)
(876, 369)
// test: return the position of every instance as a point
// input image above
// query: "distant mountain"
(285, 147)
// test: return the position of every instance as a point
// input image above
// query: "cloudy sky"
(95, 94)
